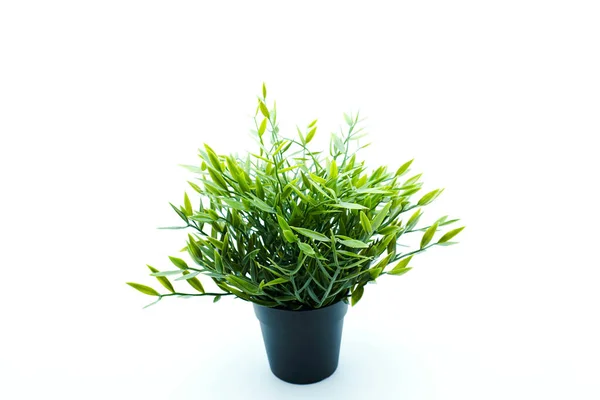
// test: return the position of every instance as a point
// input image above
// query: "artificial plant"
(294, 228)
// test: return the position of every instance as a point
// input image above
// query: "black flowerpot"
(302, 346)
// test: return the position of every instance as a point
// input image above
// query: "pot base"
(303, 347)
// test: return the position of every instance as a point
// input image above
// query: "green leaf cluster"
(290, 227)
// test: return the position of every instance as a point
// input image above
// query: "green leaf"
(353, 243)
(306, 249)
(318, 179)
(262, 128)
(348, 119)
(450, 234)
(378, 220)
(414, 219)
(163, 281)
(366, 223)
(429, 197)
(428, 235)
(262, 205)
(194, 282)
(213, 158)
(264, 91)
(217, 298)
(388, 230)
(289, 236)
(312, 123)
(311, 234)
(180, 213)
(375, 272)
(144, 289)
(311, 134)
(337, 143)
(400, 271)
(244, 285)
(263, 109)
(217, 178)
(187, 275)
(400, 267)
(333, 170)
(349, 206)
(412, 181)
(357, 294)
(277, 281)
(404, 167)
(282, 223)
(167, 273)
(196, 187)
(373, 191)
(233, 204)
(187, 205)
(178, 262)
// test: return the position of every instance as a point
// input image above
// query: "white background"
(498, 102)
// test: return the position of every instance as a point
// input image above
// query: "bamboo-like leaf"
(318, 179)
(378, 220)
(144, 289)
(289, 236)
(213, 158)
(337, 143)
(178, 262)
(311, 234)
(375, 272)
(388, 230)
(180, 213)
(403, 168)
(306, 249)
(414, 219)
(274, 282)
(450, 234)
(264, 91)
(196, 284)
(348, 119)
(429, 197)
(187, 275)
(163, 280)
(187, 205)
(264, 110)
(349, 206)
(353, 243)
(196, 187)
(244, 285)
(234, 204)
(357, 294)
(167, 273)
(310, 135)
(333, 170)
(399, 271)
(283, 223)
(366, 223)
(263, 127)
(262, 205)
(400, 267)
(428, 235)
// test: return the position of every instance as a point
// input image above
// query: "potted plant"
(299, 234)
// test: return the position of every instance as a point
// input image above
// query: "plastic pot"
(302, 346)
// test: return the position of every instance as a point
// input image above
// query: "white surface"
(497, 101)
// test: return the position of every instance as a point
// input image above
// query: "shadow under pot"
(302, 346)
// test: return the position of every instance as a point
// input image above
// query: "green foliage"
(294, 228)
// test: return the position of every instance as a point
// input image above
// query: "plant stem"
(195, 294)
